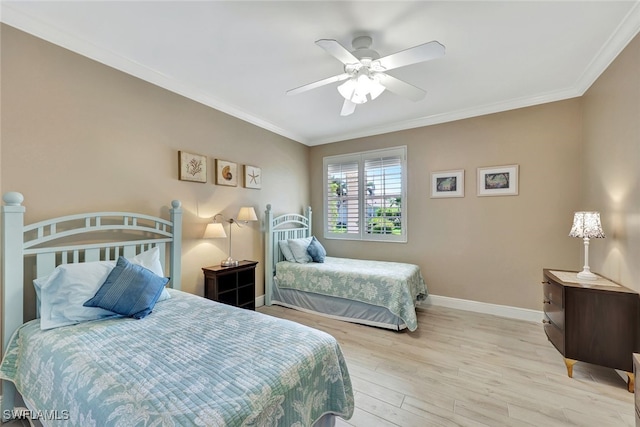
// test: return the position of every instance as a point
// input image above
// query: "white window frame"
(360, 157)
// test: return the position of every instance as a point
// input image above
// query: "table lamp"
(586, 225)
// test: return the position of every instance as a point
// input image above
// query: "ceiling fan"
(365, 71)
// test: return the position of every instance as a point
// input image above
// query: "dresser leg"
(570, 363)
(632, 382)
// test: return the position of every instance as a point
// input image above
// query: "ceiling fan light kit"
(365, 71)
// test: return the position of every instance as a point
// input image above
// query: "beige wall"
(72, 127)
(78, 136)
(612, 166)
(488, 249)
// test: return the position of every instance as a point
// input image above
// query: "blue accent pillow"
(130, 290)
(316, 251)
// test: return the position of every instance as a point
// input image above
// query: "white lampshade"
(214, 230)
(587, 224)
(357, 88)
(247, 214)
(346, 89)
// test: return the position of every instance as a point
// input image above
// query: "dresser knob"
(546, 282)
(546, 301)
(546, 321)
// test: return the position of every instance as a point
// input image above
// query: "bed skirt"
(337, 308)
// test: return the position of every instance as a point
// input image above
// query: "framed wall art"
(498, 181)
(192, 167)
(226, 173)
(447, 183)
(252, 177)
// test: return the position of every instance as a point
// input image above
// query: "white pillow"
(61, 294)
(151, 260)
(286, 251)
(299, 249)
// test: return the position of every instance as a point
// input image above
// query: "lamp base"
(229, 262)
(587, 275)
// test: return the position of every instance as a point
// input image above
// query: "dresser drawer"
(553, 306)
(555, 335)
(553, 293)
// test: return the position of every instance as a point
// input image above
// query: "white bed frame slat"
(283, 227)
(20, 241)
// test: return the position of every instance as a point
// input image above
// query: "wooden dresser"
(591, 322)
(636, 366)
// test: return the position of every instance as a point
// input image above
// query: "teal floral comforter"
(396, 286)
(192, 362)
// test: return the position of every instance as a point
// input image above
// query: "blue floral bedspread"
(192, 362)
(396, 286)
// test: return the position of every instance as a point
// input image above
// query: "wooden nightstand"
(232, 285)
(593, 322)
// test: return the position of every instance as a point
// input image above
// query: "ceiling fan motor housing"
(362, 48)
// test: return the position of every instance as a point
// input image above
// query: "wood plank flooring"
(468, 369)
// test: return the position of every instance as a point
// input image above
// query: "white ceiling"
(241, 57)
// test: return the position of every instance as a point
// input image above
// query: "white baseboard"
(482, 307)
(260, 301)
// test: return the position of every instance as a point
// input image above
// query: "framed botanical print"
(498, 181)
(192, 167)
(252, 177)
(226, 173)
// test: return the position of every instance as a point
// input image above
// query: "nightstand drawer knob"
(546, 301)
(546, 321)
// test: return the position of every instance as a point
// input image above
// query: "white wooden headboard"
(96, 236)
(64, 240)
(283, 227)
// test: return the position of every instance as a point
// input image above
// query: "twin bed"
(190, 361)
(373, 293)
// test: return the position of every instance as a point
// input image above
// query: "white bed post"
(176, 247)
(308, 215)
(12, 280)
(269, 254)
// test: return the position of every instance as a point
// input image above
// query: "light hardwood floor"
(467, 369)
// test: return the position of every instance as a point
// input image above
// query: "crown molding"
(51, 34)
(625, 32)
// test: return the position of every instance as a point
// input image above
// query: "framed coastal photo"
(498, 181)
(252, 177)
(192, 167)
(226, 173)
(447, 183)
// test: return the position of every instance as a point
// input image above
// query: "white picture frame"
(447, 184)
(498, 180)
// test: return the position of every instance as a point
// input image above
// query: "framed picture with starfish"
(252, 177)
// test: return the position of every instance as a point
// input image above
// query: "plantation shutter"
(342, 201)
(383, 197)
(365, 196)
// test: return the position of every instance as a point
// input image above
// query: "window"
(365, 196)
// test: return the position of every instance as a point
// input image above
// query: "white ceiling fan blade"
(328, 80)
(338, 51)
(348, 108)
(401, 88)
(413, 55)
